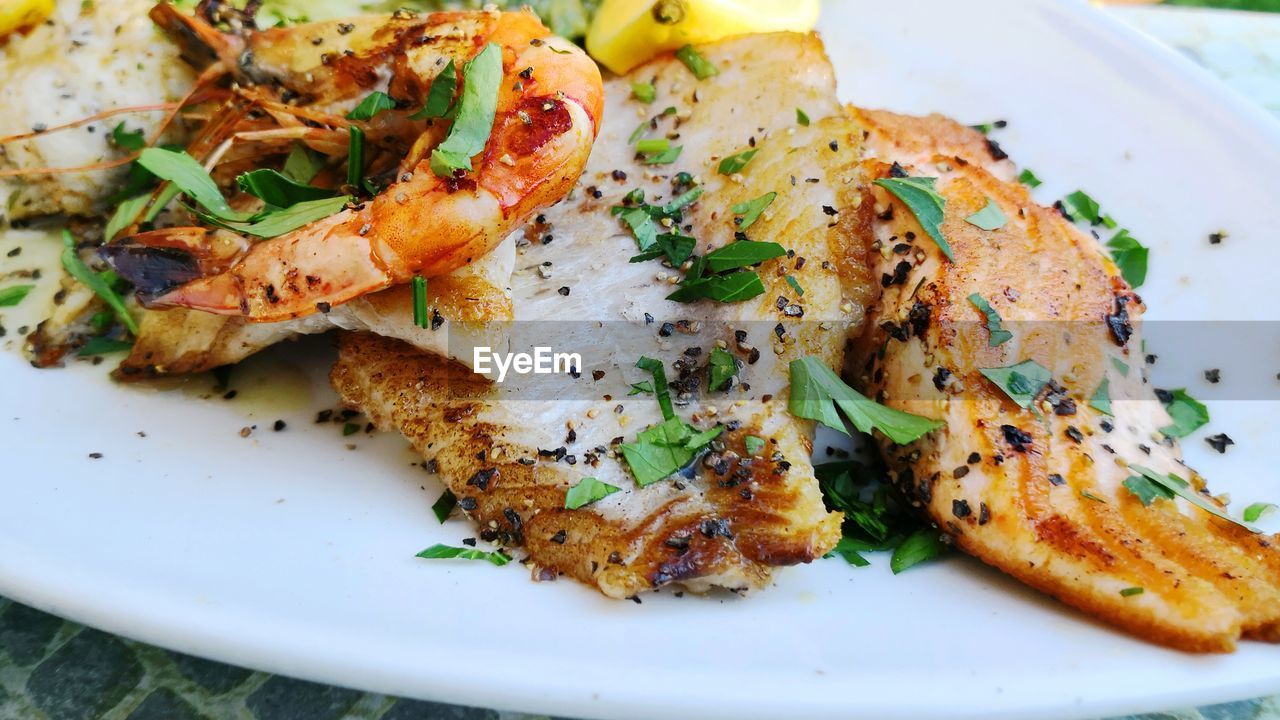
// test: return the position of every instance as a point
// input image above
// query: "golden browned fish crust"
(1039, 492)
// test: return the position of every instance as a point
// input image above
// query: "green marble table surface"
(54, 669)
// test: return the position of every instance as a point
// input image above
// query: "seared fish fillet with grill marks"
(1042, 500)
(730, 517)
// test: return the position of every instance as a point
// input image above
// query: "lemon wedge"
(625, 33)
(19, 14)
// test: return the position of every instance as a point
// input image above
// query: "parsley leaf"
(990, 217)
(1101, 400)
(587, 491)
(473, 121)
(103, 346)
(355, 160)
(735, 163)
(1188, 414)
(444, 505)
(995, 328)
(76, 268)
(1176, 485)
(1131, 591)
(1130, 256)
(731, 288)
(816, 392)
(302, 165)
(922, 545)
(676, 247)
(1028, 178)
(723, 366)
(1079, 206)
(669, 446)
(802, 117)
(663, 157)
(742, 253)
(1146, 489)
(1021, 382)
(645, 387)
(795, 284)
(189, 177)
(14, 294)
(440, 95)
(420, 316)
(124, 215)
(751, 209)
(373, 103)
(921, 197)
(278, 190)
(279, 222)
(644, 92)
(438, 552)
(131, 140)
(697, 64)
(752, 444)
(1257, 511)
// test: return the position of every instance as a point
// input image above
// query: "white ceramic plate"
(289, 553)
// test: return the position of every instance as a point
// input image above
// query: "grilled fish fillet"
(469, 306)
(731, 517)
(1039, 492)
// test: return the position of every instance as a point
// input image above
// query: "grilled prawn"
(426, 222)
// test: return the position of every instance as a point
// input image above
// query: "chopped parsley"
(752, 444)
(421, 317)
(751, 209)
(130, 140)
(653, 145)
(1101, 400)
(697, 64)
(1079, 206)
(445, 552)
(1171, 485)
(373, 103)
(1022, 382)
(1131, 591)
(877, 517)
(103, 346)
(440, 96)
(302, 165)
(990, 217)
(473, 120)
(816, 392)
(802, 117)
(921, 197)
(278, 222)
(1028, 178)
(742, 253)
(189, 177)
(1090, 496)
(664, 157)
(734, 163)
(995, 327)
(674, 246)
(920, 546)
(1130, 256)
(587, 491)
(732, 287)
(1188, 414)
(1121, 366)
(355, 160)
(444, 505)
(644, 92)
(795, 284)
(14, 294)
(1257, 511)
(722, 367)
(665, 448)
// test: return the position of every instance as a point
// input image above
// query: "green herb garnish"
(644, 92)
(14, 294)
(1257, 511)
(751, 209)
(302, 165)
(1101, 400)
(1130, 256)
(124, 215)
(103, 346)
(131, 140)
(723, 366)
(1131, 591)
(94, 281)
(995, 328)
(1177, 486)
(795, 285)
(473, 121)
(665, 448)
(189, 177)
(440, 95)
(445, 552)
(741, 254)
(921, 197)
(752, 444)
(1021, 382)
(731, 288)
(735, 163)
(278, 222)
(278, 190)
(1090, 496)
(1188, 414)
(990, 217)
(420, 316)
(355, 159)
(444, 505)
(1028, 178)
(662, 157)
(921, 546)
(587, 491)
(697, 64)
(372, 104)
(816, 392)
(1079, 206)
(802, 117)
